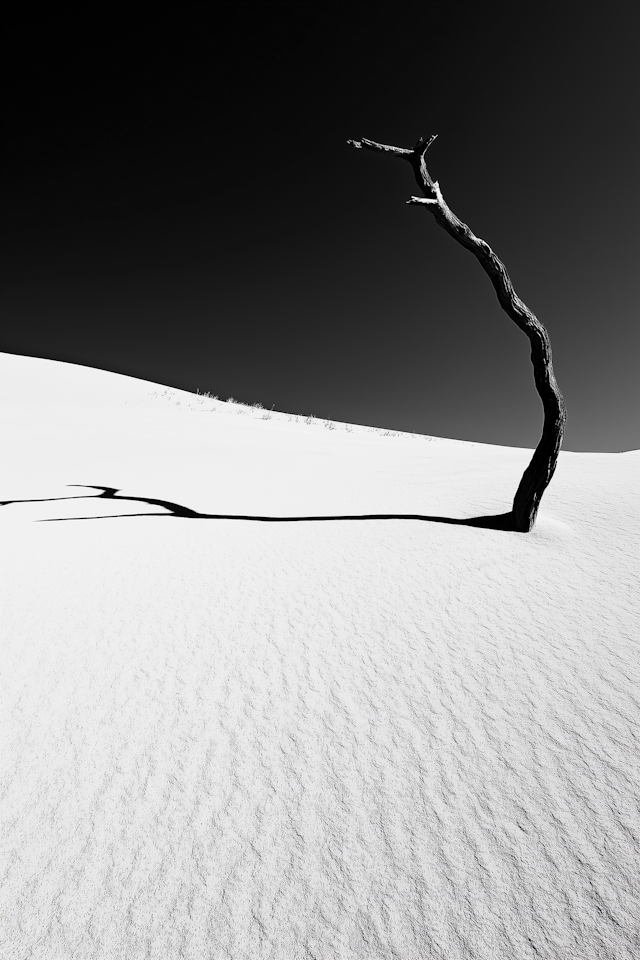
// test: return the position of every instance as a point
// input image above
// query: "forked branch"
(538, 474)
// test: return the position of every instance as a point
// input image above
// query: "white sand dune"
(378, 738)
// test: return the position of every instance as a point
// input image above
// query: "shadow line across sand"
(502, 521)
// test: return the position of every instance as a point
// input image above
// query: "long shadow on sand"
(502, 521)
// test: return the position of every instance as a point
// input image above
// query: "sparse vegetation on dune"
(307, 419)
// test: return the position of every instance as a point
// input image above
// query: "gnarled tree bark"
(538, 474)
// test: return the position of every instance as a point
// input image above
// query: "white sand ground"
(383, 738)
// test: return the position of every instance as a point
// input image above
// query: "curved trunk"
(538, 474)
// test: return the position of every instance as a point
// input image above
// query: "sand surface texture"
(345, 738)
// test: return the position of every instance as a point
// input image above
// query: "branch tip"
(424, 143)
(421, 200)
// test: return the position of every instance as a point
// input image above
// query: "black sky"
(180, 204)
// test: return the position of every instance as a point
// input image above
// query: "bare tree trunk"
(538, 474)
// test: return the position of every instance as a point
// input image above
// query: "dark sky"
(180, 204)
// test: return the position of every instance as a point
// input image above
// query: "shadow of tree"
(502, 521)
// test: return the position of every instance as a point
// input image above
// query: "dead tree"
(538, 474)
